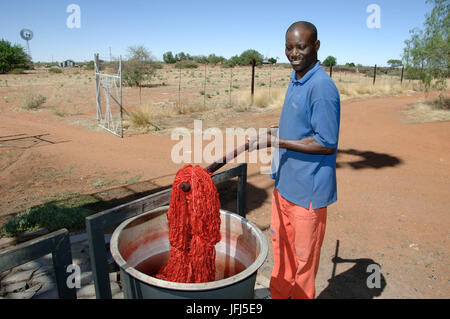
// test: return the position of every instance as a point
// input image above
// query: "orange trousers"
(297, 236)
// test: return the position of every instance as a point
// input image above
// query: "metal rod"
(120, 97)
(204, 90)
(253, 78)
(333, 273)
(231, 82)
(401, 79)
(374, 74)
(270, 78)
(179, 89)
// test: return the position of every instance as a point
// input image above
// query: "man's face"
(300, 50)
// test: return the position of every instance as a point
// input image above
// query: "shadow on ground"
(368, 159)
(354, 283)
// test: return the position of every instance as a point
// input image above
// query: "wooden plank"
(99, 263)
(57, 243)
(17, 255)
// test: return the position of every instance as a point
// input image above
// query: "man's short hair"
(304, 25)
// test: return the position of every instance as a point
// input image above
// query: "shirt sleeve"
(325, 121)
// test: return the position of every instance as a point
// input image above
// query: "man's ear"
(317, 45)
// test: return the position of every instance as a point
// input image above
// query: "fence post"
(231, 83)
(204, 90)
(120, 98)
(97, 85)
(401, 79)
(241, 188)
(179, 89)
(270, 79)
(374, 74)
(253, 78)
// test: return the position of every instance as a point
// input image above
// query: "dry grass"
(354, 85)
(32, 101)
(226, 91)
(144, 118)
(429, 111)
(188, 108)
(261, 99)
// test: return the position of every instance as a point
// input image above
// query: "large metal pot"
(140, 246)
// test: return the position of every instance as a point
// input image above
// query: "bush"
(246, 57)
(186, 65)
(16, 71)
(158, 65)
(65, 210)
(228, 64)
(169, 58)
(55, 70)
(13, 57)
(33, 101)
(330, 61)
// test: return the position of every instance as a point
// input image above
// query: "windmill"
(27, 35)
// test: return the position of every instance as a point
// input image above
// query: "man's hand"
(262, 141)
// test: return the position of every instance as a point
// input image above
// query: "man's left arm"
(325, 126)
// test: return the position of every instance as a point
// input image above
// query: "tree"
(272, 60)
(247, 56)
(169, 58)
(426, 52)
(330, 61)
(200, 59)
(214, 59)
(395, 63)
(180, 56)
(13, 57)
(350, 64)
(139, 67)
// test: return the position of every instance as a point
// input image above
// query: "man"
(303, 167)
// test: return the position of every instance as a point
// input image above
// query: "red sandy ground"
(393, 186)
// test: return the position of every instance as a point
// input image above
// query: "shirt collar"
(306, 77)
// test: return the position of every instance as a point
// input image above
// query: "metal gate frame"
(106, 120)
(96, 224)
(57, 243)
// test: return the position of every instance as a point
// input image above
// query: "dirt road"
(393, 188)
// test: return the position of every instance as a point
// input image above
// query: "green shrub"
(186, 64)
(70, 213)
(247, 56)
(55, 70)
(158, 65)
(13, 57)
(16, 71)
(330, 61)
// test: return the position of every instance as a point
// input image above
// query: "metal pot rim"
(250, 270)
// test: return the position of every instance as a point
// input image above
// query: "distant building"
(67, 63)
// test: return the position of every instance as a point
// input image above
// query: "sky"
(225, 28)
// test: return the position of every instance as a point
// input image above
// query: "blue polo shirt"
(311, 108)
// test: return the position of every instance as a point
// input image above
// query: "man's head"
(302, 46)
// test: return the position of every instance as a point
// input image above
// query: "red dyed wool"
(194, 228)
